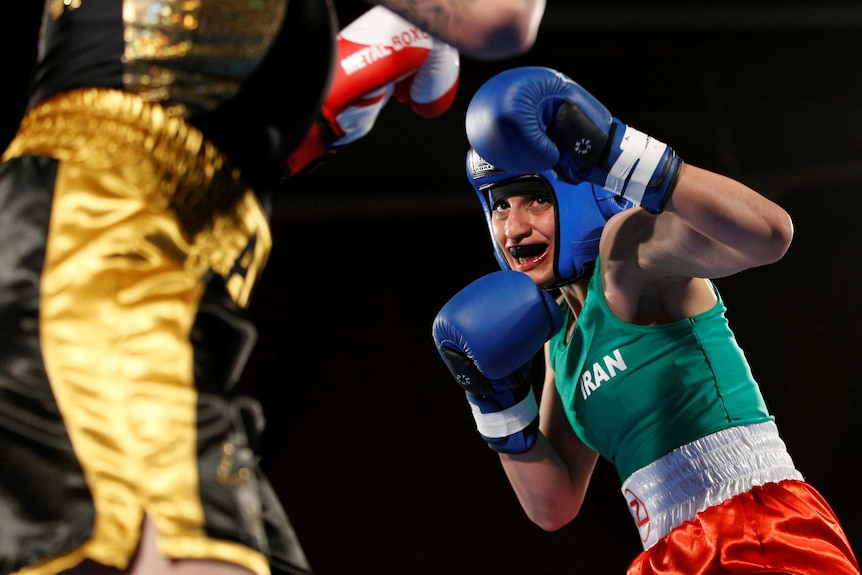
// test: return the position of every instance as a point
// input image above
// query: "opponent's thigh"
(148, 561)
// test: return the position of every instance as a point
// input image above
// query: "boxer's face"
(524, 227)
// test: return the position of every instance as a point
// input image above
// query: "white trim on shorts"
(703, 473)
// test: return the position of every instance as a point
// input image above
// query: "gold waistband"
(171, 162)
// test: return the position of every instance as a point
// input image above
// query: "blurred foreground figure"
(133, 226)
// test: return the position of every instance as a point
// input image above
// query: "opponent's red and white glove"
(379, 55)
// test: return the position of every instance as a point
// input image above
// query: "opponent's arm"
(379, 54)
(481, 29)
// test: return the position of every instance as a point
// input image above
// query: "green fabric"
(633, 393)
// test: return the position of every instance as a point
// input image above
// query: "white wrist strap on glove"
(632, 171)
(509, 421)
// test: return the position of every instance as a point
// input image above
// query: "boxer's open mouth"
(523, 254)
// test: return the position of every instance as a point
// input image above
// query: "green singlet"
(633, 393)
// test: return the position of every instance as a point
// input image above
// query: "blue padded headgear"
(581, 211)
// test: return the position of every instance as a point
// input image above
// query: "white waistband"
(703, 473)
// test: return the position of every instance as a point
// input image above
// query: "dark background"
(371, 444)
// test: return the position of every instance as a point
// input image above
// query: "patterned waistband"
(704, 473)
(170, 161)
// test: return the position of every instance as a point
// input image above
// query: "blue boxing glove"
(487, 335)
(531, 119)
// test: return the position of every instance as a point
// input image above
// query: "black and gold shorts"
(114, 220)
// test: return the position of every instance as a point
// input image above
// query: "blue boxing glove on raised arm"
(487, 335)
(531, 119)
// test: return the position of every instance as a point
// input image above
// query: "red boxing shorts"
(782, 527)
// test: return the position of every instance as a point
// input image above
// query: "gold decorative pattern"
(191, 55)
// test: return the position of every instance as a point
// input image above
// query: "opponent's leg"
(148, 561)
